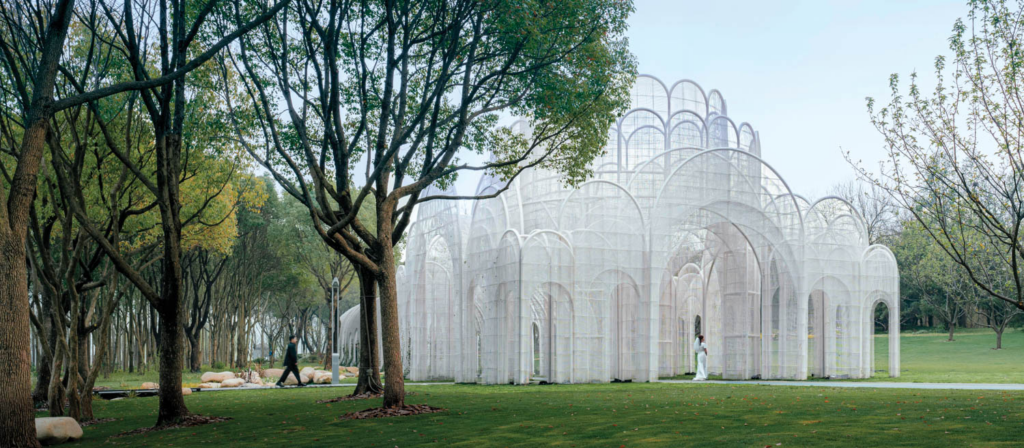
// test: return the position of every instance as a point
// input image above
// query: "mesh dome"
(683, 229)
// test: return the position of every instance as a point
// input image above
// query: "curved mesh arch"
(684, 229)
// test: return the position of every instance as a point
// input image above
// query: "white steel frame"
(683, 222)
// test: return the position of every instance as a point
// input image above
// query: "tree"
(175, 29)
(954, 157)
(942, 288)
(405, 87)
(32, 41)
(879, 211)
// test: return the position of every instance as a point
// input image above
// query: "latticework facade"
(684, 229)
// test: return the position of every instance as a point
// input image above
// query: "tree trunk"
(194, 363)
(394, 382)
(17, 422)
(369, 358)
(952, 327)
(46, 359)
(999, 338)
(55, 390)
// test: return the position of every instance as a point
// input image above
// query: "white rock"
(307, 371)
(322, 377)
(209, 386)
(216, 377)
(232, 383)
(54, 430)
(149, 385)
(272, 374)
(186, 391)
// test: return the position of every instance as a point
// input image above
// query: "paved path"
(866, 384)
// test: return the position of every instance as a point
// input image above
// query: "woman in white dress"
(702, 358)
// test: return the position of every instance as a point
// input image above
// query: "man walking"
(291, 363)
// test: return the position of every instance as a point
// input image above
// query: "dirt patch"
(96, 421)
(411, 409)
(192, 420)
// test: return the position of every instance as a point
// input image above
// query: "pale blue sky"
(798, 71)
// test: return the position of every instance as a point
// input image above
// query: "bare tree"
(874, 204)
(955, 160)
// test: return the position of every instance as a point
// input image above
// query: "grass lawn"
(658, 414)
(927, 357)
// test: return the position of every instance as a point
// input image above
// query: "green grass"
(929, 358)
(658, 414)
(970, 358)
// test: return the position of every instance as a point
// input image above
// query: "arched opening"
(816, 334)
(625, 332)
(696, 326)
(880, 339)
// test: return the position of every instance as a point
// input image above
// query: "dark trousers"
(290, 369)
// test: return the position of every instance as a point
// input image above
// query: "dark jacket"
(291, 358)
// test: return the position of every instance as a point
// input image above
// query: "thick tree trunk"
(369, 358)
(999, 338)
(394, 381)
(17, 419)
(952, 327)
(17, 422)
(172, 404)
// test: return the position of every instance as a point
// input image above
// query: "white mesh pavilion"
(683, 229)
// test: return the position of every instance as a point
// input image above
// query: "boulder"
(100, 388)
(352, 370)
(233, 382)
(322, 377)
(272, 374)
(307, 371)
(209, 386)
(291, 379)
(149, 385)
(54, 430)
(186, 391)
(251, 376)
(216, 377)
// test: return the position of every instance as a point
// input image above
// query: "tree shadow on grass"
(187, 422)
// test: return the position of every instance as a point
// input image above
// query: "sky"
(797, 71)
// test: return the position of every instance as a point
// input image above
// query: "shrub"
(217, 365)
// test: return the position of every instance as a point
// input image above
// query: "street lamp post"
(335, 359)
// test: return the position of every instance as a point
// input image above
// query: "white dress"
(702, 360)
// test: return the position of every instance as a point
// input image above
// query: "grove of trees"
(182, 180)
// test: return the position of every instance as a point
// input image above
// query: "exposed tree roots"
(409, 409)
